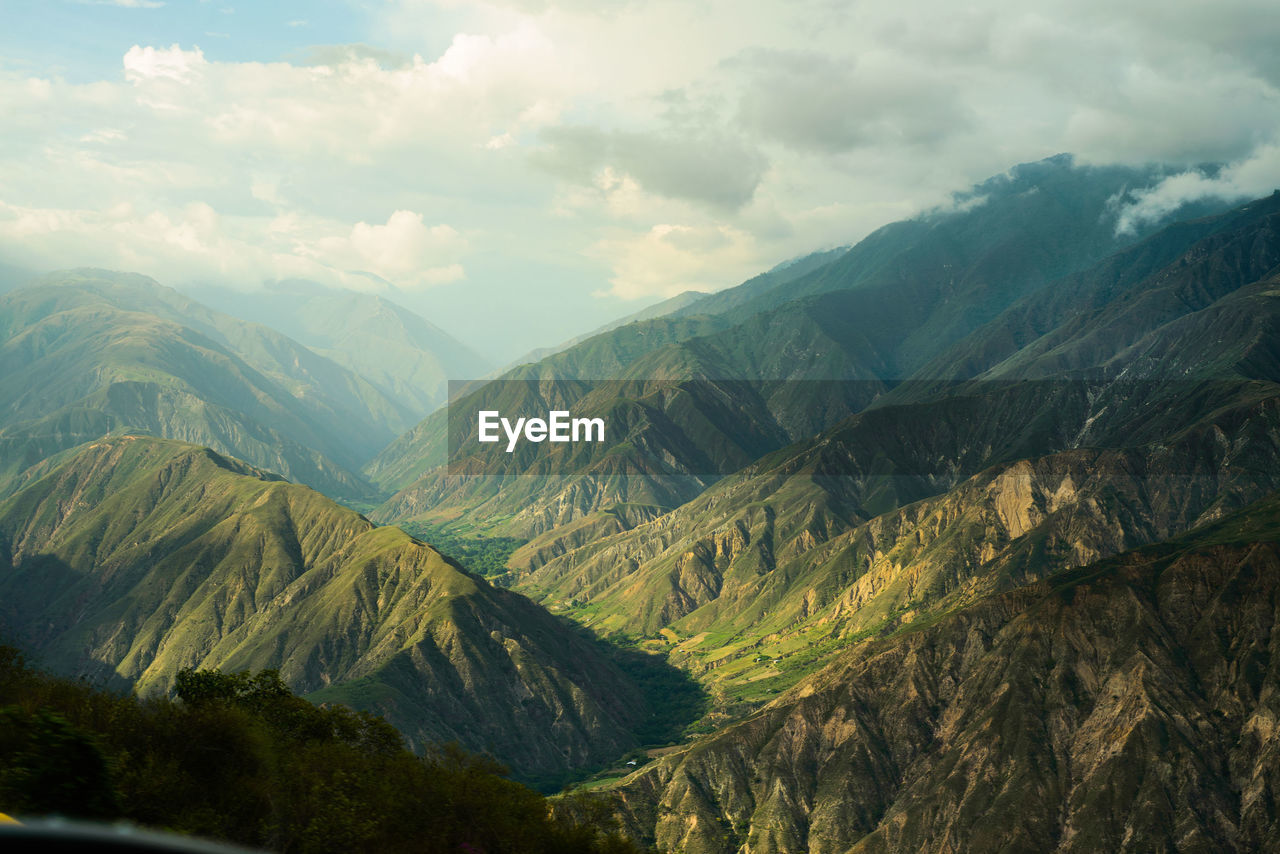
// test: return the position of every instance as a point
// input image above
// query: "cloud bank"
(541, 152)
(1256, 175)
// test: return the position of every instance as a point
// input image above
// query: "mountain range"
(403, 354)
(960, 538)
(1170, 422)
(89, 352)
(868, 318)
(1128, 704)
(138, 558)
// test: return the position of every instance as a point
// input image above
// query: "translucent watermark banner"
(708, 428)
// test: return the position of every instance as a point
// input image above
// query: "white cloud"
(104, 136)
(142, 64)
(502, 140)
(234, 250)
(715, 169)
(636, 149)
(871, 99)
(405, 250)
(127, 4)
(1256, 175)
(669, 259)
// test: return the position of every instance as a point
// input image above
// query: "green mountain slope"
(755, 584)
(604, 357)
(875, 315)
(666, 441)
(1087, 318)
(139, 557)
(1128, 705)
(972, 486)
(88, 353)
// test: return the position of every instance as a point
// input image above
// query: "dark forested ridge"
(238, 757)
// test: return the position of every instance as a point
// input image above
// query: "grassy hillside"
(138, 558)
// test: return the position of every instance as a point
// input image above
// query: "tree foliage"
(239, 757)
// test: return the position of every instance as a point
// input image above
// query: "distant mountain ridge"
(87, 353)
(678, 303)
(406, 356)
(1174, 420)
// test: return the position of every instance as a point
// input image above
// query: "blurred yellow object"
(8, 819)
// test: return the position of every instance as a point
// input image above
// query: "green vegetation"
(213, 565)
(853, 606)
(675, 698)
(952, 733)
(483, 555)
(752, 577)
(819, 340)
(238, 757)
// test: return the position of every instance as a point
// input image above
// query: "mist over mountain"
(12, 277)
(406, 356)
(88, 353)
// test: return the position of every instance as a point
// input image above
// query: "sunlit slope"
(140, 557)
(1127, 705)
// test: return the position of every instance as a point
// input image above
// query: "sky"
(521, 171)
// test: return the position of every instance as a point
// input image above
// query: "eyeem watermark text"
(556, 427)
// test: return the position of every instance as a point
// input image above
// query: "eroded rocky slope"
(1130, 705)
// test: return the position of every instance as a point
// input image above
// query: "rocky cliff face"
(1130, 705)
(759, 594)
